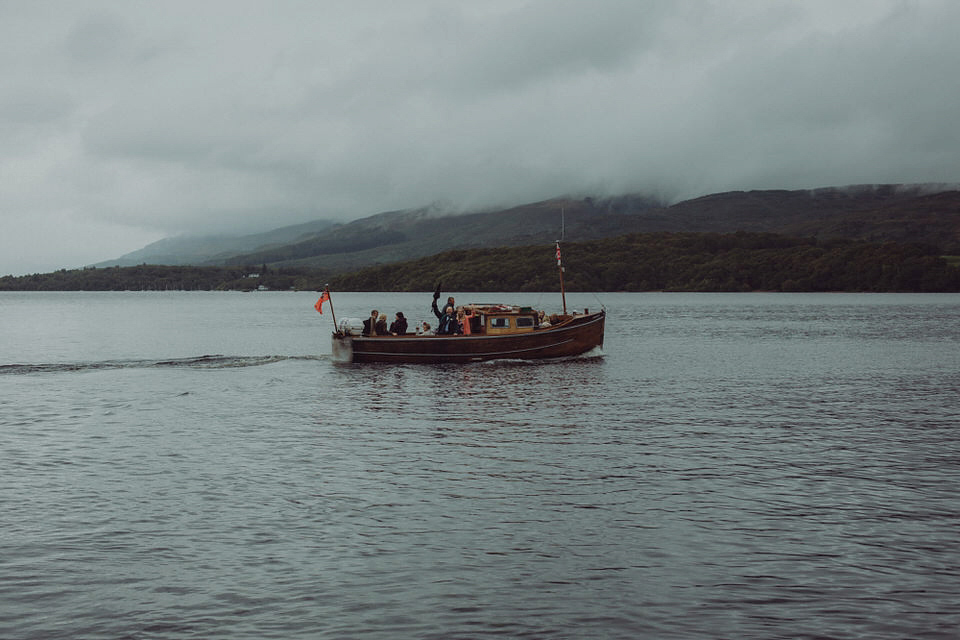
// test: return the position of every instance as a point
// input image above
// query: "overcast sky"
(125, 122)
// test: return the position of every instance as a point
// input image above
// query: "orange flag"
(323, 298)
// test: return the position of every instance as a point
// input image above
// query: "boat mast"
(563, 293)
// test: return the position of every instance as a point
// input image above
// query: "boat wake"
(594, 354)
(196, 362)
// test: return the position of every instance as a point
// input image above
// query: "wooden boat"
(493, 332)
(497, 332)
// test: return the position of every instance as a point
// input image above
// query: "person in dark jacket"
(370, 324)
(399, 326)
(448, 324)
(445, 327)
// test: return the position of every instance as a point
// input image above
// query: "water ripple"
(782, 472)
(197, 362)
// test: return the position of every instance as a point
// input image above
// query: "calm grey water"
(193, 465)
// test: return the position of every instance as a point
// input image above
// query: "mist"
(124, 123)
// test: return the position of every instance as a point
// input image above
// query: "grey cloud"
(30, 105)
(148, 119)
(518, 49)
(96, 39)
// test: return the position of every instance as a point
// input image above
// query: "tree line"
(634, 262)
(675, 262)
(149, 277)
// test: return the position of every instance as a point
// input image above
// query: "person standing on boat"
(448, 317)
(448, 325)
(399, 326)
(370, 324)
(448, 322)
(463, 319)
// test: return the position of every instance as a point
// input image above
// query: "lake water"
(194, 465)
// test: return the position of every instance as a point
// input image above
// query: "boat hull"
(572, 338)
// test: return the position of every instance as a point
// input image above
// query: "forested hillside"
(166, 278)
(926, 214)
(675, 262)
(875, 213)
(633, 262)
(401, 235)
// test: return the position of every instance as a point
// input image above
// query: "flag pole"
(563, 293)
(326, 290)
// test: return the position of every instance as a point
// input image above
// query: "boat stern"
(342, 348)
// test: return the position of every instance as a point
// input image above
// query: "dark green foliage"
(164, 278)
(673, 262)
(635, 262)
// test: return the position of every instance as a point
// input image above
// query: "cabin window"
(524, 322)
(499, 323)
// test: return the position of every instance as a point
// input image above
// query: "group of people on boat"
(451, 321)
(376, 325)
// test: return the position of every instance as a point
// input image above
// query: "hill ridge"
(924, 213)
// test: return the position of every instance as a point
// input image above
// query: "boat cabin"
(500, 319)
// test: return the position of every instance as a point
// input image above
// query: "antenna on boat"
(563, 293)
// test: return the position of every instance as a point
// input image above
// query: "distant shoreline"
(643, 262)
